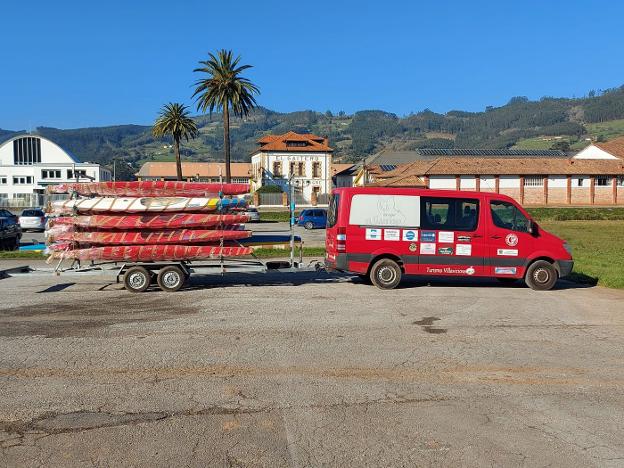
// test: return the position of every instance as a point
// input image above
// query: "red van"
(383, 233)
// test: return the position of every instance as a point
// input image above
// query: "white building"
(307, 157)
(29, 163)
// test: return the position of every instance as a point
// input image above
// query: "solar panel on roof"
(387, 167)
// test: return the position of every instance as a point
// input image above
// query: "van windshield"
(332, 213)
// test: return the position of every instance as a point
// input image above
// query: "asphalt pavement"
(309, 370)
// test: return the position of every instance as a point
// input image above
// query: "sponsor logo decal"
(410, 235)
(392, 234)
(505, 270)
(445, 251)
(427, 249)
(511, 240)
(446, 237)
(507, 252)
(452, 270)
(464, 238)
(463, 249)
(413, 247)
(428, 236)
(373, 234)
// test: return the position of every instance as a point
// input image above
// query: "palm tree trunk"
(226, 142)
(176, 145)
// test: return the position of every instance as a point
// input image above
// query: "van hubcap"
(541, 275)
(386, 274)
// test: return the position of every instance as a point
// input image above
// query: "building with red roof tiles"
(307, 158)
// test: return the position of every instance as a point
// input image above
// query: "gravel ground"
(307, 370)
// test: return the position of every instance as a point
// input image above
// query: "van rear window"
(385, 210)
(332, 213)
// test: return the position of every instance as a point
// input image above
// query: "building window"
(533, 181)
(79, 173)
(277, 169)
(51, 174)
(26, 151)
(3, 180)
(620, 181)
(579, 182)
(240, 180)
(296, 143)
(603, 181)
(301, 169)
(316, 169)
(291, 168)
(22, 180)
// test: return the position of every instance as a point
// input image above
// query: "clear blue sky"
(83, 63)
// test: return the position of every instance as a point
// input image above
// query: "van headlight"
(568, 248)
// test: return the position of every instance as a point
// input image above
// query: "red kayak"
(150, 188)
(150, 253)
(151, 221)
(192, 236)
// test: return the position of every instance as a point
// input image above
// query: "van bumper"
(564, 267)
(341, 263)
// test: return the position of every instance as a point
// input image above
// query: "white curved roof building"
(29, 163)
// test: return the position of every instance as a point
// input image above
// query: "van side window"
(507, 216)
(453, 214)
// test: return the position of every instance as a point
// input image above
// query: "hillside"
(521, 123)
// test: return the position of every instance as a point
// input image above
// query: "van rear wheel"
(541, 275)
(386, 274)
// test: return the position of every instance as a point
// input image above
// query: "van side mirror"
(533, 228)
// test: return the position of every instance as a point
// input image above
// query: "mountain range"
(559, 123)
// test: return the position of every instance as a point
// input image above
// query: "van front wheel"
(385, 274)
(541, 275)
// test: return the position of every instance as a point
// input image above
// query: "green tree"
(175, 121)
(225, 89)
(561, 145)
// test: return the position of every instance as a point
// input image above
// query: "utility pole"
(291, 190)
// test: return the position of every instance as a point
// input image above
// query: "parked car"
(253, 214)
(7, 214)
(10, 233)
(312, 219)
(384, 233)
(33, 219)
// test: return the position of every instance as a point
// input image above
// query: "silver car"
(34, 220)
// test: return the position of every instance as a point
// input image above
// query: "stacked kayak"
(147, 221)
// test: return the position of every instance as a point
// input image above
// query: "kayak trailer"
(171, 276)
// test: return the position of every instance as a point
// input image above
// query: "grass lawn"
(576, 214)
(610, 130)
(597, 248)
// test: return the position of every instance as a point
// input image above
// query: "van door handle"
(496, 237)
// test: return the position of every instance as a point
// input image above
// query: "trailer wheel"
(385, 274)
(137, 279)
(171, 278)
(541, 275)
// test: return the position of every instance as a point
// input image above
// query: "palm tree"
(223, 89)
(174, 120)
